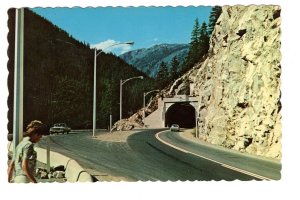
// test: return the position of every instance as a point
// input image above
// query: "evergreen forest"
(200, 37)
(58, 78)
(198, 50)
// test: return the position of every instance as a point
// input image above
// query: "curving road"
(142, 157)
(256, 166)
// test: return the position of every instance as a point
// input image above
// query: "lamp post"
(122, 83)
(196, 119)
(144, 103)
(95, 66)
(18, 78)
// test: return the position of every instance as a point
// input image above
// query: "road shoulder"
(188, 135)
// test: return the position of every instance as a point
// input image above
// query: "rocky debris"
(137, 118)
(123, 125)
(56, 174)
(135, 121)
(239, 82)
(41, 173)
(59, 174)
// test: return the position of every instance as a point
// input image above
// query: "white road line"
(222, 164)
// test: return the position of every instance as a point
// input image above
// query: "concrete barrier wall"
(73, 171)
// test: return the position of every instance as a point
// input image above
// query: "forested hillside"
(58, 77)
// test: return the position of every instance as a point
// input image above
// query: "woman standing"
(23, 163)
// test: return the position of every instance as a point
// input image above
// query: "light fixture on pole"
(122, 83)
(144, 104)
(95, 70)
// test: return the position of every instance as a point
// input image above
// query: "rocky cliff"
(239, 82)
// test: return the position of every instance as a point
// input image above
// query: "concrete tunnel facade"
(181, 113)
(180, 109)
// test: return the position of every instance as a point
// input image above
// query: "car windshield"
(60, 124)
(175, 125)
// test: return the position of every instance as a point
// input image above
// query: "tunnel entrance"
(182, 114)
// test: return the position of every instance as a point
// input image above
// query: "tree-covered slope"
(58, 77)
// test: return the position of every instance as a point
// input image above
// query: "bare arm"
(10, 170)
(25, 169)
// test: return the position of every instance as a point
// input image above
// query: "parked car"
(60, 128)
(174, 127)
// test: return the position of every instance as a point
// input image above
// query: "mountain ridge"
(148, 60)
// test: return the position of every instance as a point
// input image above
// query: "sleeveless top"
(25, 150)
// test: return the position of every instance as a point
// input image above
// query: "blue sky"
(146, 26)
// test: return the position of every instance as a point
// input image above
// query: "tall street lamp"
(144, 103)
(95, 65)
(18, 78)
(122, 83)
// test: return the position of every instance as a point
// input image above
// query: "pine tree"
(195, 35)
(203, 40)
(195, 39)
(199, 45)
(213, 17)
(174, 68)
(162, 77)
(194, 47)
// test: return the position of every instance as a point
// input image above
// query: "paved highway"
(256, 166)
(143, 157)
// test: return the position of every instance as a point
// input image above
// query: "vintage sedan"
(60, 128)
(174, 127)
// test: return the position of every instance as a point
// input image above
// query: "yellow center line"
(220, 163)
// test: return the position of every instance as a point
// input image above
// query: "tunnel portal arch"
(181, 113)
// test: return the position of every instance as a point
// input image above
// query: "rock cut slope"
(239, 82)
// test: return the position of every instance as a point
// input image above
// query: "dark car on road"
(60, 128)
